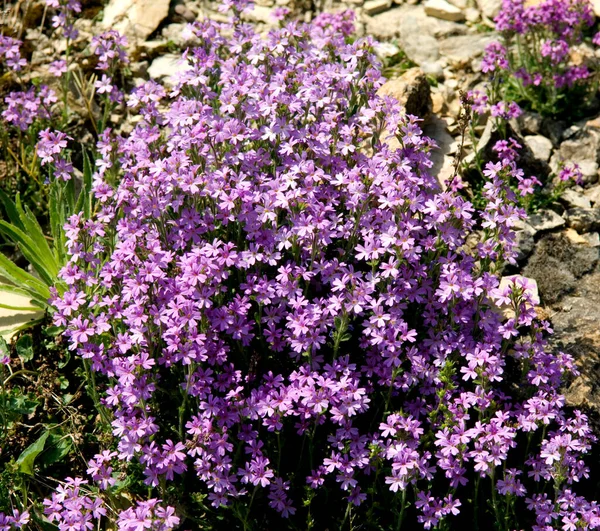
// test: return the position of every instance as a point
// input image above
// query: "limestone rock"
(525, 242)
(374, 7)
(489, 8)
(444, 10)
(167, 66)
(575, 199)
(412, 90)
(540, 146)
(557, 263)
(582, 219)
(546, 220)
(585, 145)
(461, 50)
(137, 19)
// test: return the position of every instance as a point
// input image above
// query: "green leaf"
(46, 266)
(57, 448)
(27, 459)
(4, 349)
(11, 209)
(22, 279)
(24, 348)
(88, 171)
(22, 405)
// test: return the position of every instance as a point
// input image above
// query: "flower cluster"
(10, 53)
(17, 521)
(535, 62)
(64, 17)
(74, 506)
(279, 304)
(49, 150)
(25, 107)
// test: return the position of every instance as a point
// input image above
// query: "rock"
(167, 66)
(552, 129)
(540, 146)
(386, 50)
(421, 49)
(185, 12)
(418, 33)
(592, 239)
(442, 159)
(472, 14)
(582, 219)
(530, 123)
(593, 194)
(489, 8)
(585, 145)
(545, 220)
(574, 236)
(575, 199)
(444, 10)
(461, 4)
(374, 7)
(461, 50)
(525, 242)
(412, 90)
(589, 171)
(259, 14)
(557, 263)
(136, 19)
(433, 69)
(174, 33)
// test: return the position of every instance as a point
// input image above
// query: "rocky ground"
(441, 42)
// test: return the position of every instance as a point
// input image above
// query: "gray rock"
(386, 50)
(540, 146)
(489, 8)
(593, 194)
(557, 263)
(530, 123)
(574, 199)
(421, 49)
(592, 239)
(584, 146)
(166, 67)
(442, 157)
(472, 14)
(174, 33)
(135, 18)
(185, 12)
(412, 90)
(582, 219)
(374, 7)
(260, 14)
(434, 69)
(524, 238)
(444, 10)
(589, 171)
(553, 130)
(546, 220)
(461, 50)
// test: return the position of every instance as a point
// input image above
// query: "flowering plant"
(285, 320)
(540, 61)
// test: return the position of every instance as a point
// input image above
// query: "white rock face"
(136, 19)
(166, 67)
(444, 10)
